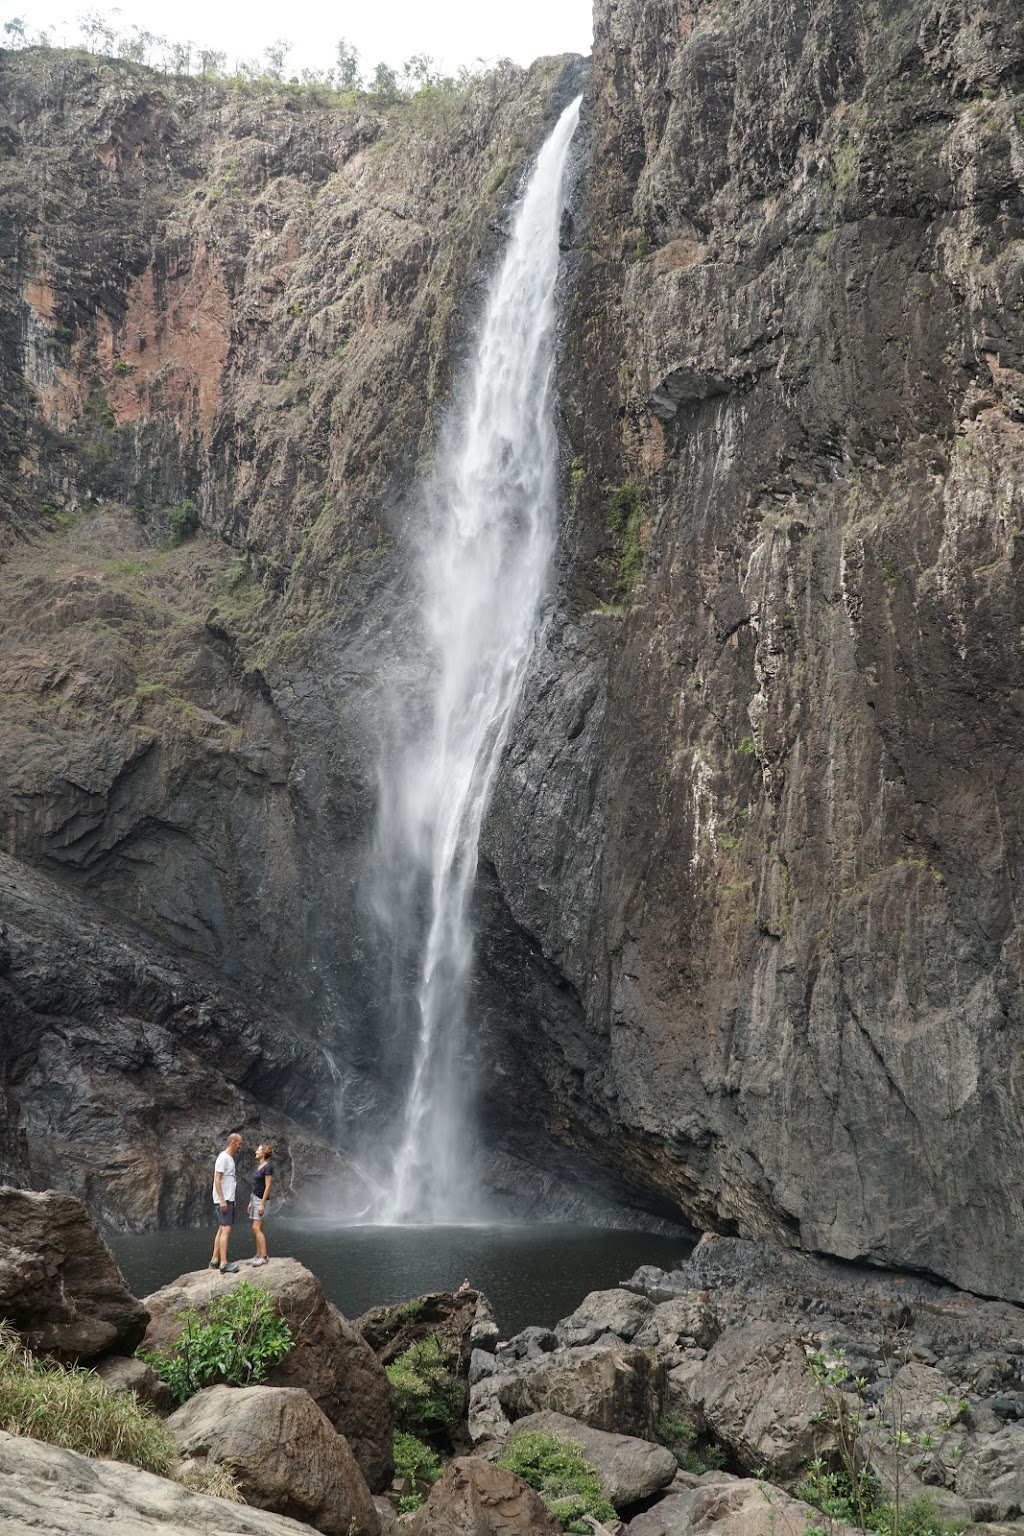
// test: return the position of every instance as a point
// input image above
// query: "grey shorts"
(254, 1210)
(226, 1218)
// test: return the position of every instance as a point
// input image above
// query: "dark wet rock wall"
(749, 946)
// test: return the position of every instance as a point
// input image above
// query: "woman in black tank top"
(262, 1180)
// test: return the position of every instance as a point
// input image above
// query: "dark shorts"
(226, 1218)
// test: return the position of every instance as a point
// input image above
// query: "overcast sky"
(453, 32)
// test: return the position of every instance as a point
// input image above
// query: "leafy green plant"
(239, 1339)
(848, 1490)
(417, 1462)
(71, 1407)
(566, 1481)
(427, 1390)
(183, 521)
(680, 1437)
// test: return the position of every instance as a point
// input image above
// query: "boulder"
(390, 1331)
(481, 1364)
(755, 1393)
(476, 1498)
(630, 1470)
(739, 1507)
(124, 1373)
(991, 1475)
(925, 1398)
(283, 1453)
(621, 1390)
(620, 1312)
(685, 1321)
(385, 1514)
(530, 1344)
(328, 1359)
(45, 1489)
(60, 1287)
(484, 1332)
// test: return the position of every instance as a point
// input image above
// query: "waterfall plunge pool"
(531, 1274)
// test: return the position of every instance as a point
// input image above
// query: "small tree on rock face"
(275, 54)
(14, 31)
(384, 85)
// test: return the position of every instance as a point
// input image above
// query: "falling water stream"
(484, 561)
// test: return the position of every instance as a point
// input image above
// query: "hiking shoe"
(214, 1264)
(229, 1269)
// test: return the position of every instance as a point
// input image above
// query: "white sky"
(453, 32)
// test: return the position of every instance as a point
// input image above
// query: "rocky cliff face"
(236, 312)
(749, 939)
(763, 808)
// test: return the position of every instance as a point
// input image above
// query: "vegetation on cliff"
(416, 80)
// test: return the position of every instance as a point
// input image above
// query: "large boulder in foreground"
(60, 1286)
(328, 1359)
(630, 1470)
(44, 1489)
(283, 1453)
(476, 1498)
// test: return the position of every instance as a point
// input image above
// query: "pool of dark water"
(531, 1274)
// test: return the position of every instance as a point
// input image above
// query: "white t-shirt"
(225, 1166)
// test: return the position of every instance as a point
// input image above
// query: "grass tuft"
(71, 1407)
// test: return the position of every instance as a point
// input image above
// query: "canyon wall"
(749, 947)
(763, 810)
(227, 320)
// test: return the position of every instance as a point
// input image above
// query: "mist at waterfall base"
(481, 554)
(530, 1274)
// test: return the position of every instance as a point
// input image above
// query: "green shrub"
(680, 1436)
(418, 1462)
(428, 1393)
(919, 1517)
(834, 1494)
(183, 521)
(239, 1339)
(71, 1407)
(562, 1475)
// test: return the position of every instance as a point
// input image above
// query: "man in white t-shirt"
(224, 1182)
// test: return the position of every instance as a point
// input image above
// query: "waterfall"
(483, 553)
